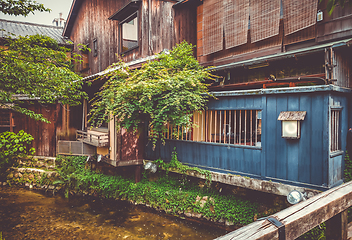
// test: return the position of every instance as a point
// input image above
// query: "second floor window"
(129, 33)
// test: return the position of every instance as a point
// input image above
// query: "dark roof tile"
(24, 28)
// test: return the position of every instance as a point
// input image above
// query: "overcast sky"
(45, 18)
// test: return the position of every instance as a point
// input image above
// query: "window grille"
(238, 127)
(335, 144)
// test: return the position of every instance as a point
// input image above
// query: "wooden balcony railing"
(330, 206)
(94, 138)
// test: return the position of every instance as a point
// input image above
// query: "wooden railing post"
(336, 227)
(330, 206)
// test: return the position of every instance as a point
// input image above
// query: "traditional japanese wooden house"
(282, 109)
(62, 120)
(112, 29)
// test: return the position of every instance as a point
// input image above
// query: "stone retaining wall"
(33, 173)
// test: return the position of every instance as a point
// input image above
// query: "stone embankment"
(34, 173)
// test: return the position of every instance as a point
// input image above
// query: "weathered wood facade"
(100, 25)
(100, 21)
(270, 56)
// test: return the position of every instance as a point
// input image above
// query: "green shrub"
(12, 146)
(171, 193)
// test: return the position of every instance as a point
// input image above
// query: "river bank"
(178, 195)
(28, 214)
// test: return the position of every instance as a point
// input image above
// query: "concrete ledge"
(277, 188)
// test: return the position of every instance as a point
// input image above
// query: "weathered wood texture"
(294, 31)
(302, 217)
(245, 51)
(92, 23)
(44, 134)
(338, 25)
(132, 145)
(186, 24)
(342, 67)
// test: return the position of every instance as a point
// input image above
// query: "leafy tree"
(35, 66)
(13, 145)
(331, 4)
(167, 90)
(38, 68)
(21, 7)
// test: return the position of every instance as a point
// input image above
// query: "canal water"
(26, 214)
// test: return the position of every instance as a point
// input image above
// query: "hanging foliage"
(37, 68)
(166, 90)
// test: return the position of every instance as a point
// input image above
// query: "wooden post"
(11, 121)
(336, 227)
(138, 173)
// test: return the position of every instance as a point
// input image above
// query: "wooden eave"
(126, 11)
(184, 3)
(76, 4)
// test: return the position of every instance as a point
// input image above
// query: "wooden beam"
(336, 227)
(299, 219)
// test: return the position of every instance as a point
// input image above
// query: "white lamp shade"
(290, 129)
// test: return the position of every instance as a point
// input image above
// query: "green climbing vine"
(177, 166)
(168, 192)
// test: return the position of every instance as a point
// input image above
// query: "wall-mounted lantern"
(319, 16)
(291, 123)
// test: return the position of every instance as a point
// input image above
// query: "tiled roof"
(24, 28)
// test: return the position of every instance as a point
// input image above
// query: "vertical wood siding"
(301, 161)
(336, 25)
(44, 134)
(186, 24)
(93, 23)
(342, 70)
(131, 146)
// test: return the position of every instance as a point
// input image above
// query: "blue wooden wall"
(306, 161)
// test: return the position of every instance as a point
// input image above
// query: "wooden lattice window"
(335, 141)
(238, 127)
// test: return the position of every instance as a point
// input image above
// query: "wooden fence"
(329, 206)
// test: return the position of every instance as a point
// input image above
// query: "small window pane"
(335, 143)
(130, 34)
